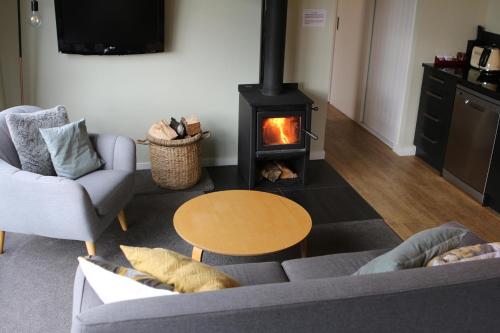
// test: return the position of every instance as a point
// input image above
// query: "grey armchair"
(57, 207)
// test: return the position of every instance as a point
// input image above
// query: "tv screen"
(110, 26)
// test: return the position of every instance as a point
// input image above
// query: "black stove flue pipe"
(273, 46)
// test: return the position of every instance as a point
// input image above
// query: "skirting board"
(405, 151)
(401, 151)
(314, 155)
(317, 155)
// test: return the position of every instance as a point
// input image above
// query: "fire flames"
(281, 131)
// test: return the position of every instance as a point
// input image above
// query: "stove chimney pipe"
(273, 55)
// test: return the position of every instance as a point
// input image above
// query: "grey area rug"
(36, 273)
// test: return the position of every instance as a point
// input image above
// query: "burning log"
(271, 172)
(286, 173)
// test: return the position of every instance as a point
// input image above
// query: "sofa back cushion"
(8, 152)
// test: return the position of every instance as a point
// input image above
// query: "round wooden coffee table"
(242, 223)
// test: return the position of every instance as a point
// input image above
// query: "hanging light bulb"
(35, 19)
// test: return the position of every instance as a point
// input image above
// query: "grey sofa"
(62, 208)
(316, 294)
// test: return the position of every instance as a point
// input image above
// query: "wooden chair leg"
(2, 238)
(90, 248)
(123, 220)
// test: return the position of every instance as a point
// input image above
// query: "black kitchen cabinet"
(434, 116)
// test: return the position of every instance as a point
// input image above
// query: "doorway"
(350, 56)
(371, 60)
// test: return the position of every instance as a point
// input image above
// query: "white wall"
(350, 56)
(308, 60)
(441, 27)
(212, 46)
(492, 22)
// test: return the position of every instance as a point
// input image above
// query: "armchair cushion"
(8, 152)
(70, 150)
(30, 146)
(109, 190)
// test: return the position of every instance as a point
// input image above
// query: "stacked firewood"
(175, 130)
(273, 171)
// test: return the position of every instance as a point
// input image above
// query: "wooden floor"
(408, 194)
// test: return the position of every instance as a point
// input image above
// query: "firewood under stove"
(286, 172)
(273, 171)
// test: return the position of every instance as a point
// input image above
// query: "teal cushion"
(416, 251)
(70, 149)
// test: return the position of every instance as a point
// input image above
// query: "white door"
(350, 56)
(389, 65)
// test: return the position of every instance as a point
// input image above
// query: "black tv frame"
(102, 49)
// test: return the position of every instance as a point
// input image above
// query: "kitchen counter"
(471, 78)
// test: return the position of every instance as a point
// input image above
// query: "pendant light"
(35, 19)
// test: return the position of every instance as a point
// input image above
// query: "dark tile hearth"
(332, 204)
(327, 196)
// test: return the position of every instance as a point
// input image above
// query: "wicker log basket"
(175, 164)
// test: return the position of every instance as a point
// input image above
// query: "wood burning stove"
(273, 128)
(274, 118)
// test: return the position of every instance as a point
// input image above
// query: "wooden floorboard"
(405, 191)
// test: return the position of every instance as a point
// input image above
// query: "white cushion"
(111, 287)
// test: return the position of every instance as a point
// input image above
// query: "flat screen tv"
(110, 26)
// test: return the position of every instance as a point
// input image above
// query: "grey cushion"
(332, 265)
(8, 152)
(469, 239)
(108, 189)
(70, 150)
(417, 250)
(31, 148)
(255, 273)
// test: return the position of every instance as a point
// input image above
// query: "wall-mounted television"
(109, 27)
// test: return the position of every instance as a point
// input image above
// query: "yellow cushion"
(170, 267)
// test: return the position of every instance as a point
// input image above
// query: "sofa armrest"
(45, 205)
(117, 152)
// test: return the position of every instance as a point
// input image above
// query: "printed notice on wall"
(314, 18)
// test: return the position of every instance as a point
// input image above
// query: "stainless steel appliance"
(471, 139)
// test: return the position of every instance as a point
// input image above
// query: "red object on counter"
(459, 61)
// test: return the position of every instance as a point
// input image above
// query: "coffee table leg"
(303, 248)
(197, 254)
